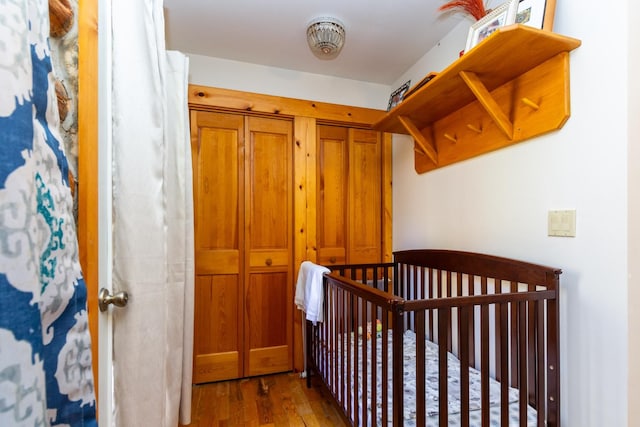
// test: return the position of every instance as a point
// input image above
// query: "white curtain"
(153, 221)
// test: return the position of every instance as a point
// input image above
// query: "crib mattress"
(432, 387)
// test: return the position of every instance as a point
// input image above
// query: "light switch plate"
(562, 223)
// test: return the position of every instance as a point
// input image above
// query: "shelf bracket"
(488, 102)
(425, 146)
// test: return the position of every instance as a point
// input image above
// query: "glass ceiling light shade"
(326, 37)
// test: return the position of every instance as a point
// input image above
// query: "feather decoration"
(474, 8)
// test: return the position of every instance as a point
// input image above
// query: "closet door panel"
(218, 189)
(218, 163)
(267, 315)
(332, 194)
(269, 231)
(270, 183)
(216, 343)
(365, 201)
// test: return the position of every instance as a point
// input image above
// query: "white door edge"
(105, 248)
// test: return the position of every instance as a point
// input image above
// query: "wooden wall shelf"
(512, 86)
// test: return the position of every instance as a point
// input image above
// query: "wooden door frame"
(88, 164)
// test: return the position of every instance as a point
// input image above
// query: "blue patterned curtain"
(45, 348)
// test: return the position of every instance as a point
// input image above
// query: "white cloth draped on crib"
(309, 291)
(153, 221)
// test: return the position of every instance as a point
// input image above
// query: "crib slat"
(497, 332)
(431, 312)
(448, 294)
(504, 362)
(420, 368)
(349, 317)
(553, 366)
(540, 400)
(484, 355)
(308, 337)
(531, 347)
(332, 321)
(464, 363)
(402, 288)
(437, 293)
(472, 328)
(443, 383)
(356, 364)
(412, 289)
(515, 367)
(343, 332)
(522, 342)
(324, 338)
(363, 363)
(374, 366)
(459, 317)
(385, 370)
(398, 357)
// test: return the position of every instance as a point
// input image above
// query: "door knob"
(104, 299)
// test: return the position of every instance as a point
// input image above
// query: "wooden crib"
(480, 334)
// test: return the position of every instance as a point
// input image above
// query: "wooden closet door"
(365, 197)
(269, 237)
(218, 165)
(332, 199)
(350, 211)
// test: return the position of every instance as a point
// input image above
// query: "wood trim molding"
(88, 164)
(387, 199)
(304, 216)
(227, 99)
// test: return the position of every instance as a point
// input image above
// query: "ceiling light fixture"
(326, 37)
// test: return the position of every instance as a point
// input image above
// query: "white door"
(106, 396)
(105, 319)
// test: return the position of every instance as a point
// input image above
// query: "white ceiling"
(383, 37)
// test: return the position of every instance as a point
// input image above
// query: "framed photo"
(421, 83)
(536, 13)
(505, 14)
(398, 95)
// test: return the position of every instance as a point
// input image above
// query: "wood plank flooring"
(273, 400)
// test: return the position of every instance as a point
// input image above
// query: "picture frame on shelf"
(503, 15)
(397, 96)
(536, 13)
(421, 83)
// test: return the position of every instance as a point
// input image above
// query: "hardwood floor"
(273, 400)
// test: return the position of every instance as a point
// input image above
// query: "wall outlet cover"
(562, 223)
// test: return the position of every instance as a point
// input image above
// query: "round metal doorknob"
(104, 299)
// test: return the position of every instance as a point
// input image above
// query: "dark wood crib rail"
(497, 315)
(354, 296)
(524, 300)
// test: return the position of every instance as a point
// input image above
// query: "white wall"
(498, 203)
(222, 73)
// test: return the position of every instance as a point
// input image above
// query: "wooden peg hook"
(530, 103)
(451, 138)
(474, 128)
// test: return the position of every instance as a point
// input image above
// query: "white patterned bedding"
(432, 386)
